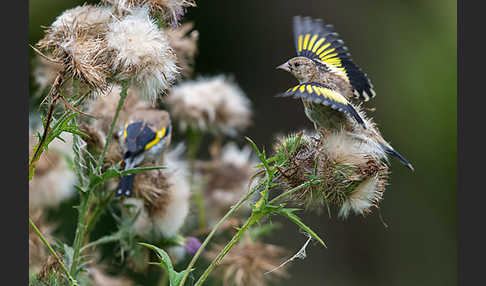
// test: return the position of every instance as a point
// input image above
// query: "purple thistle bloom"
(192, 245)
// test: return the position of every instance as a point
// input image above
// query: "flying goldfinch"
(143, 138)
(328, 81)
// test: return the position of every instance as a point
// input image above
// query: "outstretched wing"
(317, 41)
(323, 94)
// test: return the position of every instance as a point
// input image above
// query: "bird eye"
(297, 64)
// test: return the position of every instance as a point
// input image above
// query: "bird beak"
(285, 66)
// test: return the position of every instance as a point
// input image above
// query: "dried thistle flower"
(75, 41)
(247, 261)
(351, 173)
(366, 195)
(172, 10)
(142, 53)
(185, 46)
(215, 103)
(53, 180)
(227, 178)
(94, 18)
(162, 197)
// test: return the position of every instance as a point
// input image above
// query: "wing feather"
(317, 41)
(323, 94)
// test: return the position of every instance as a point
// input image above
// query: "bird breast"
(324, 116)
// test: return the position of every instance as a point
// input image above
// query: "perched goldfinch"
(328, 81)
(144, 136)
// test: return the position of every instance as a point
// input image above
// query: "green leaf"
(113, 172)
(68, 253)
(174, 276)
(136, 170)
(289, 213)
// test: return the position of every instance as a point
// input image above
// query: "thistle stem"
(58, 83)
(86, 198)
(213, 231)
(251, 220)
(80, 231)
(123, 95)
(53, 253)
(98, 211)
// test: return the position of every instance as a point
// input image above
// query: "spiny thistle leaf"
(174, 276)
(68, 253)
(140, 169)
(113, 172)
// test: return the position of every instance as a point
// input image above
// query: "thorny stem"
(80, 231)
(123, 95)
(213, 231)
(53, 252)
(40, 146)
(98, 211)
(58, 82)
(255, 216)
(86, 198)
(251, 220)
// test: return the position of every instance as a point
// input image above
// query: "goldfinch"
(144, 137)
(328, 81)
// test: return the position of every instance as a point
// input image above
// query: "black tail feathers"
(399, 156)
(125, 187)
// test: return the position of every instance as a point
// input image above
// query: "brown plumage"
(328, 81)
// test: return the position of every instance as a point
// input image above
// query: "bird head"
(147, 133)
(302, 68)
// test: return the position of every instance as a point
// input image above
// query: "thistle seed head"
(346, 173)
(141, 53)
(216, 104)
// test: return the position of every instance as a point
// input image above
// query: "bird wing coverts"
(317, 41)
(137, 136)
(323, 94)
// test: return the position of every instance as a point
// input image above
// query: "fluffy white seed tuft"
(165, 220)
(215, 103)
(366, 195)
(172, 218)
(142, 53)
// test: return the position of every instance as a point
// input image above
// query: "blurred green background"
(408, 48)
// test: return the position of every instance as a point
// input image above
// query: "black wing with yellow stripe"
(323, 94)
(320, 42)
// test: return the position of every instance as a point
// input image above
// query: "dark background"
(408, 48)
